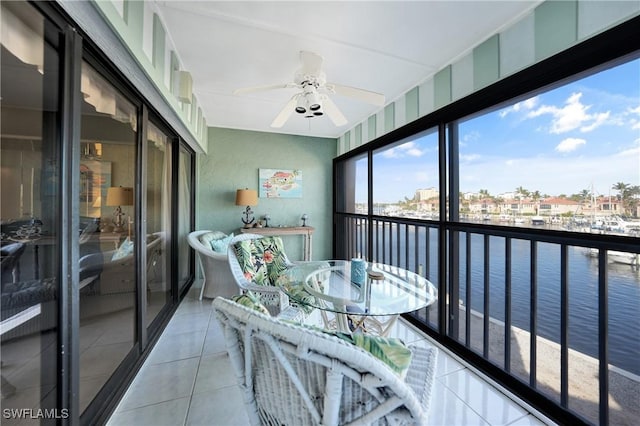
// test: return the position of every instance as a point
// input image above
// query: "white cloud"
(406, 149)
(524, 105)
(633, 151)
(552, 175)
(634, 122)
(472, 136)
(598, 120)
(469, 157)
(573, 115)
(570, 144)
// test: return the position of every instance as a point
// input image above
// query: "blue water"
(623, 294)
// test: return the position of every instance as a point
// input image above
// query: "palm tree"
(623, 194)
(634, 199)
(520, 193)
(535, 195)
(621, 187)
(628, 196)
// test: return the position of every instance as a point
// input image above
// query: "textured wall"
(233, 162)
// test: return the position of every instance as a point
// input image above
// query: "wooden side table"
(305, 231)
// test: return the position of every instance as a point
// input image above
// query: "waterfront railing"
(551, 315)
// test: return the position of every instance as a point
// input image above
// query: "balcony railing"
(550, 314)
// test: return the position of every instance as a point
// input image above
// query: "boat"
(504, 218)
(621, 257)
(537, 220)
(615, 224)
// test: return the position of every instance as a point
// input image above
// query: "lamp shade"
(246, 197)
(119, 196)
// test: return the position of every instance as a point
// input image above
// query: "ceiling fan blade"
(284, 115)
(311, 62)
(263, 88)
(355, 93)
(333, 112)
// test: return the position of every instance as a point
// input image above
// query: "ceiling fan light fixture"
(301, 105)
(313, 100)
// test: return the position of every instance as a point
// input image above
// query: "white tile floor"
(187, 380)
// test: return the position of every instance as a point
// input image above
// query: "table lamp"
(119, 196)
(247, 197)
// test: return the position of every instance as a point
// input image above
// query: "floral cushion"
(390, 350)
(251, 300)
(292, 282)
(272, 250)
(262, 260)
(251, 262)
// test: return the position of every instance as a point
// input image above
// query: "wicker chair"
(296, 375)
(216, 276)
(273, 299)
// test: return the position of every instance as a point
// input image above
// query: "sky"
(583, 135)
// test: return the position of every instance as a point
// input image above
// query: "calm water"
(624, 293)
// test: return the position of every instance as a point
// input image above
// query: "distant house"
(484, 206)
(556, 206)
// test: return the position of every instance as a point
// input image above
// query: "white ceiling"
(383, 46)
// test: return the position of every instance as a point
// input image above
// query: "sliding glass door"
(94, 187)
(29, 206)
(107, 238)
(158, 221)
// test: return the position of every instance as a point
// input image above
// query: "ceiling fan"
(313, 100)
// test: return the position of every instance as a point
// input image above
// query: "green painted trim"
(175, 66)
(347, 141)
(389, 117)
(358, 134)
(412, 105)
(442, 87)
(556, 27)
(158, 46)
(134, 18)
(194, 109)
(486, 63)
(371, 127)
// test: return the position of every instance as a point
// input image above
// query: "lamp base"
(248, 217)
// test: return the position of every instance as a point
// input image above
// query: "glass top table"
(328, 285)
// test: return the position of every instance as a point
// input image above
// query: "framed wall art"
(280, 183)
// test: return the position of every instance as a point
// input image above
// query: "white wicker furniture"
(217, 278)
(295, 375)
(271, 296)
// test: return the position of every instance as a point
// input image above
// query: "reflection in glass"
(158, 221)
(107, 240)
(29, 190)
(184, 215)
(352, 190)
